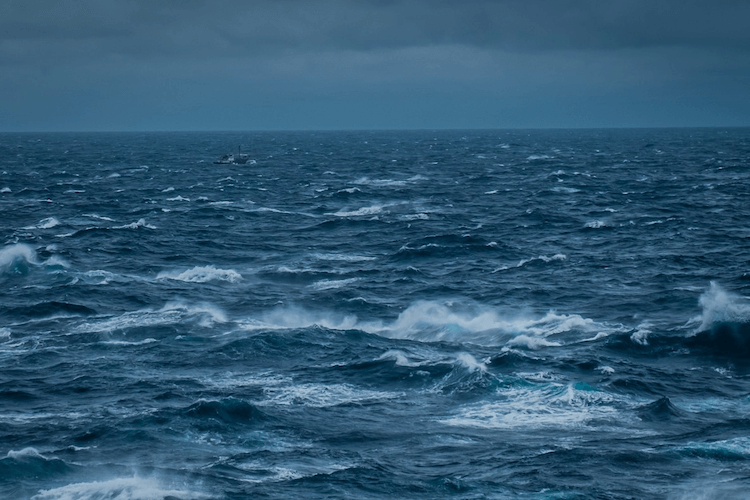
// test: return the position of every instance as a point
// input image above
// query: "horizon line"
(326, 130)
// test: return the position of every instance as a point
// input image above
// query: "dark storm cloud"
(289, 64)
(139, 28)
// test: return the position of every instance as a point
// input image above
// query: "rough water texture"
(484, 314)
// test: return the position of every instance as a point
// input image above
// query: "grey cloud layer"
(139, 28)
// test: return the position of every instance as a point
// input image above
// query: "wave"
(227, 411)
(172, 313)
(541, 406)
(322, 395)
(136, 225)
(202, 274)
(30, 463)
(16, 259)
(333, 284)
(47, 223)
(596, 224)
(134, 488)
(724, 325)
(432, 321)
(366, 181)
(343, 257)
(371, 210)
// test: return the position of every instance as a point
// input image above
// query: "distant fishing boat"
(232, 159)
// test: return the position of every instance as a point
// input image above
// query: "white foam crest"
(595, 224)
(178, 198)
(277, 211)
(531, 342)
(4, 333)
(136, 225)
(539, 157)
(134, 488)
(371, 210)
(429, 321)
(5, 190)
(295, 317)
(202, 274)
(99, 217)
(48, 223)
(563, 189)
(333, 284)
(736, 446)
(106, 276)
(419, 216)
(399, 357)
(433, 321)
(470, 362)
(25, 454)
(19, 251)
(321, 395)
(640, 335)
(125, 342)
(379, 182)
(168, 190)
(720, 306)
(343, 257)
(543, 258)
(551, 406)
(349, 190)
(171, 313)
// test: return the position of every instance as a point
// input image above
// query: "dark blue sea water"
(476, 314)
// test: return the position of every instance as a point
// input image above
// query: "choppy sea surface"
(466, 314)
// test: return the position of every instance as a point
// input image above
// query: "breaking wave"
(202, 274)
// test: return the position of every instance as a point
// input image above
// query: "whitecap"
(202, 274)
(25, 454)
(595, 224)
(563, 189)
(538, 157)
(99, 217)
(380, 182)
(720, 306)
(5, 190)
(4, 333)
(543, 258)
(172, 313)
(321, 395)
(371, 210)
(47, 223)
(178, 198)
(333, 284)
(19, 252)
(531, 342)
(415, 217)
(130, 343)
(134, 488)
(136, 225)
(343, 257)
(552, 406)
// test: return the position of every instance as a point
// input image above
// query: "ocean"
(500, 314)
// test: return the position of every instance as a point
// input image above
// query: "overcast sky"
(120, 65)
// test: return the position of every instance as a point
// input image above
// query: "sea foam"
(202, 274)
(134, 488)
